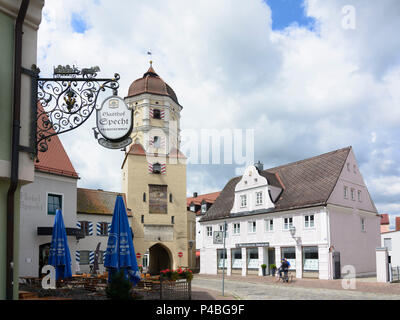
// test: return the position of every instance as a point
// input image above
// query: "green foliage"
(272, 266)
(263, 266)
(119, 288)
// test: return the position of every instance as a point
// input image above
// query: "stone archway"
(160, 259)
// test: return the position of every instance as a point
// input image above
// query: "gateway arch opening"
(159, 259)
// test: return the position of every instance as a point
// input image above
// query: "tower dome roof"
(151, 83)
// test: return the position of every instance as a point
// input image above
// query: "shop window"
(290, 254)
(54, 202)
(252, 258)
(222, 258)
(310, 259)
(236, 258)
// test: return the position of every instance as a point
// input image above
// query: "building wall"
(394, 253)
(356, 247)
(8, 13)
(33, 202)
(191, 232)
(278, 238)
(136, 180)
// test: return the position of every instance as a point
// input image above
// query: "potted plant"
(264, 268)
(272, 267)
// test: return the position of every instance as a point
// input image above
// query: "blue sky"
(78, 23)
(286, 12)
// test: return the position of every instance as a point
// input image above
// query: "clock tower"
(154, 175)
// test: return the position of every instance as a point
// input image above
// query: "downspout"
(14, 147)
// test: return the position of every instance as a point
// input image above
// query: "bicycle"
(285, 278)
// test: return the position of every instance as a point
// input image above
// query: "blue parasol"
(59, 256)
(120, 252)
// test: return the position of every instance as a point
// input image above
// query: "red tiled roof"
(209, 197)
(385, 218)
(55, 159)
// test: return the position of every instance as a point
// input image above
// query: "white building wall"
(394, 253)
(33, 214)
(278, 238)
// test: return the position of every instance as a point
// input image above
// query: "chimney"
(194, 194)
(397, 223)
(259, 166)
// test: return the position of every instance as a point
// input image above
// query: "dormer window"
(192, 207)
(157, 168)
(243, 201)
(259, 198)
(204, 208)
(156, 114)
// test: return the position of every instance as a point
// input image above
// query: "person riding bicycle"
(284, 268)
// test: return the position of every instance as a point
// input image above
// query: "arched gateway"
(160, 258)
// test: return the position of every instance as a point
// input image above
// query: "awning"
(48, 231)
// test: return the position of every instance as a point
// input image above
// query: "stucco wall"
(395, 252)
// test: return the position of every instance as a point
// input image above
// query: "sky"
(308, 77)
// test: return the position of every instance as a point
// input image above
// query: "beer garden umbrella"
(59, 255)
(120, 254)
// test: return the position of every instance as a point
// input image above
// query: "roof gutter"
(14, 147)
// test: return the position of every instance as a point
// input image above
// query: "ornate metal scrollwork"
(66, 101)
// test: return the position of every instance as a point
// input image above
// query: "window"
(252, 258)
(348, 167)
(156, 114)
(259, 198)
(157, 168)
(192, 207)
(158, 199)
(237, 259)
(345, 192)
(54, 202)
(243, 200)
(252, 226)
(221, 228)
(204, 208)
(359, 195)
(269, 225)
(144, 197)
(209, 231)
(353, 194)
(236, 228)
(85, 227)
(354, 168)
(309, 221)
(222, 258)
(172, 220)
(388, 243)
(103, 228)
(156, 142)
(290, 254)
(363, 224)
(142, 218)
(170, 197)
(287, 223)
(84, 257)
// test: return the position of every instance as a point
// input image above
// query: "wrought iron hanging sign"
(114, 123)
(66, 101)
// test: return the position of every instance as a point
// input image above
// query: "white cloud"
(303, 92)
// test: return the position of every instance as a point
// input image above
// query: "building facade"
(94, 214)
(9, 10)
(317, 213)
(54, 188)
(391, 240)
(154, 175)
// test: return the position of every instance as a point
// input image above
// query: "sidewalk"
(362, 284)
(208, 294)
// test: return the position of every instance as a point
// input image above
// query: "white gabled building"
(317, 213)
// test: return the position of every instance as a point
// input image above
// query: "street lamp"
(292, 230)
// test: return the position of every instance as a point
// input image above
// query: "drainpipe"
(14, 147)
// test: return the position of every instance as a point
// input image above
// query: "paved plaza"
(266, 288)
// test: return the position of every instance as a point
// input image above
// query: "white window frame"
(243, 200)
(236, 228)
(308, 220)
(204, 208)
(363, 227)
(209, 231)
(353, 194)
(192, 208)
(62, 201)
(269, 225)
(259, 198)
(389, 246)
(288, 224)
(359, 194)
(346, 192)
(252, 226)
